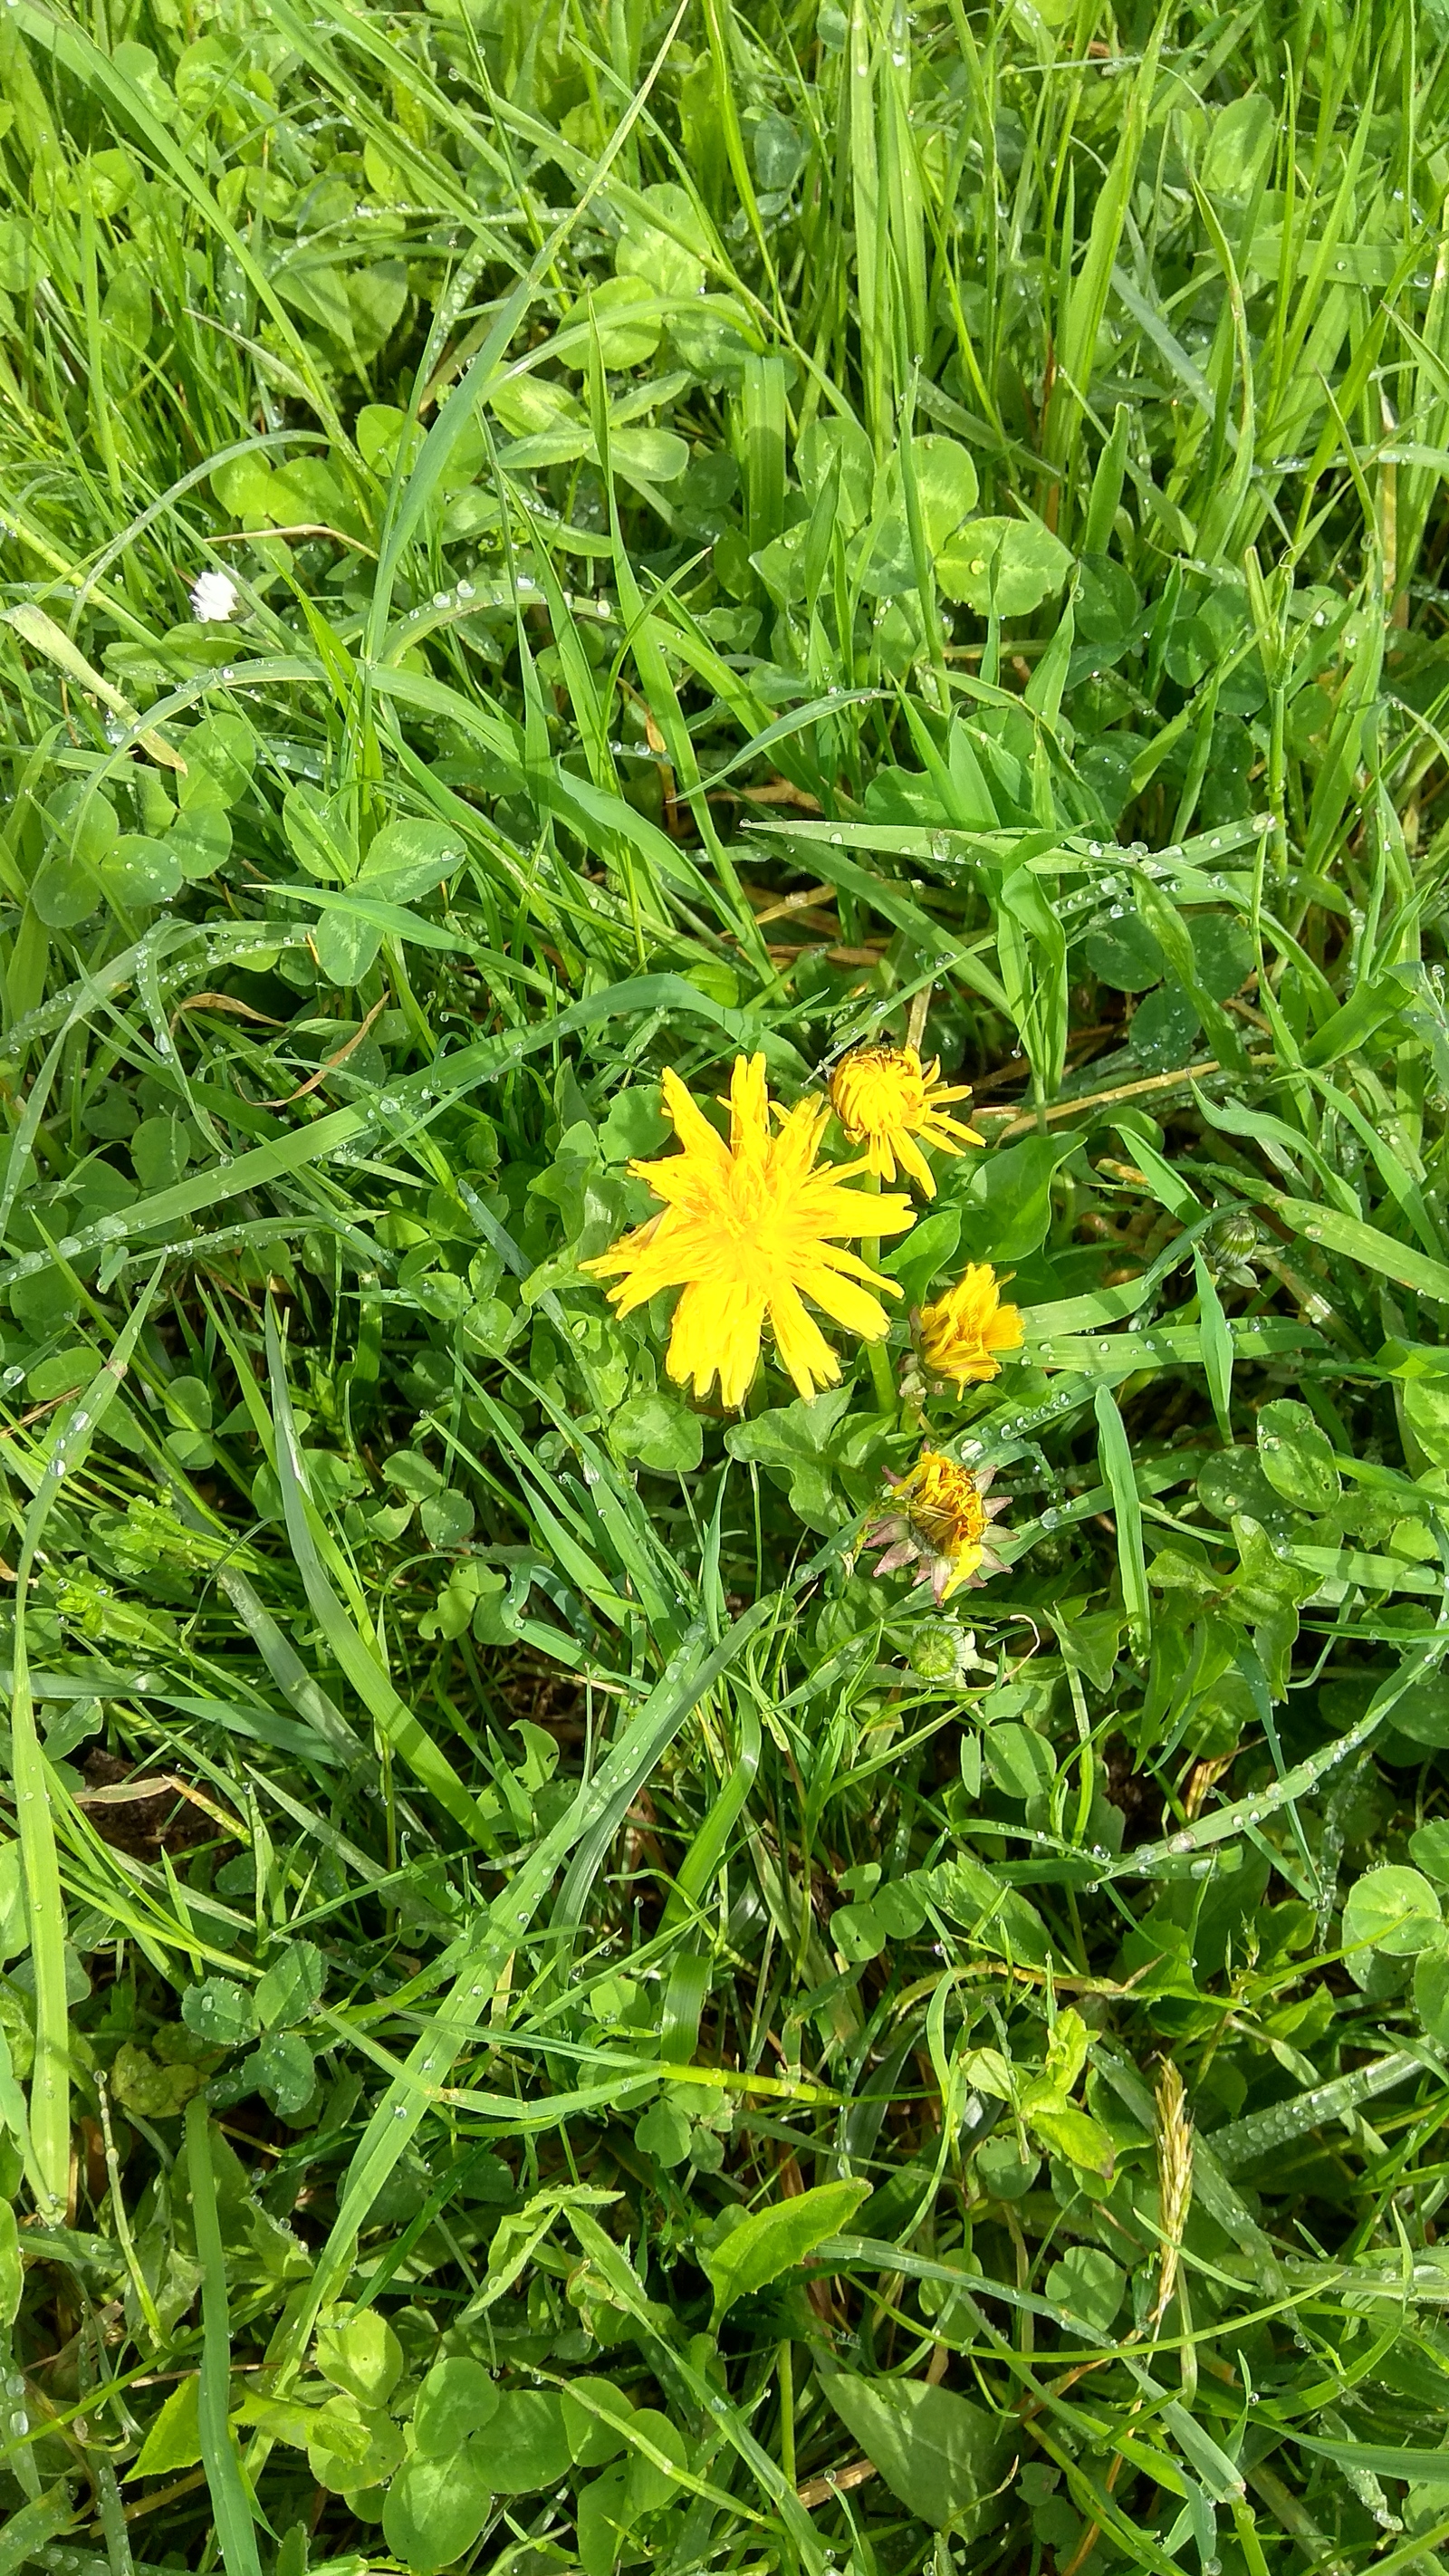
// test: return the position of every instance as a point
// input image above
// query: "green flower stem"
(882, 1379)
(881, 1374)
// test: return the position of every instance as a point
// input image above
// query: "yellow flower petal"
(914, 1161)
(714, 1332)
(962, 1335)
(937, 1517)
(748, 1230)
(846, 1304)
(749, 1105)
(805, 1354)
(690, 1123)
(885, 1098)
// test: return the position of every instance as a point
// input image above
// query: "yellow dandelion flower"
(939, 1519)
(962, 1335)
(884, 1098)
(746, 1231)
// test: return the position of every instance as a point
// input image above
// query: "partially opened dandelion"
(748, 1231)
(938, 1519)
(963, 1336)
(885, 1098)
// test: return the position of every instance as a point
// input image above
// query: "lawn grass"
(549, 2018)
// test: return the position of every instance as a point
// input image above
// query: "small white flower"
(214, 597)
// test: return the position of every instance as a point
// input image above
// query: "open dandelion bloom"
(940, 1521)
(747, 1232)
(884, 1098)
(961, 1337)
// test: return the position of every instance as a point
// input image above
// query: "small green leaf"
(1297, 1456)
(663, 2133)
(1429, 1847)
(284, 2069)
(362, 2356)
(220, 2012)
(997, 1916)
(602, 2521)
(160, 1149)
(636, 1126)
(1431, 1993)
(626, 336)
(408, 858)
(457, 2398)
(1088, 2284)
(858, 1933)
(1422, 1714)
(1395, 1910)
(292, 1988)
(593, 2410)
(188, 1403)
(946, 486)
(435, 2508)
(140, 870)
(1006, 1203)
(1067, 2132)
(1020, 1761)
(647, 2486)
(447, 1518)
(936, 2451)
(1122, 953)
(525, 2443)
(155, 2092)
(660, 1432)
(220, 756)
(413, 1474)
(774, 2240)
(346, 944)
(1003, 567)
(198, 842)
(353, 2446)
(173, 2440)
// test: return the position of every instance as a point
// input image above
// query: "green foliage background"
(547, 2021)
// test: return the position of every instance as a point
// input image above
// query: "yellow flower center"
(748, 1231)
(878, 1090)
(943, 1504)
